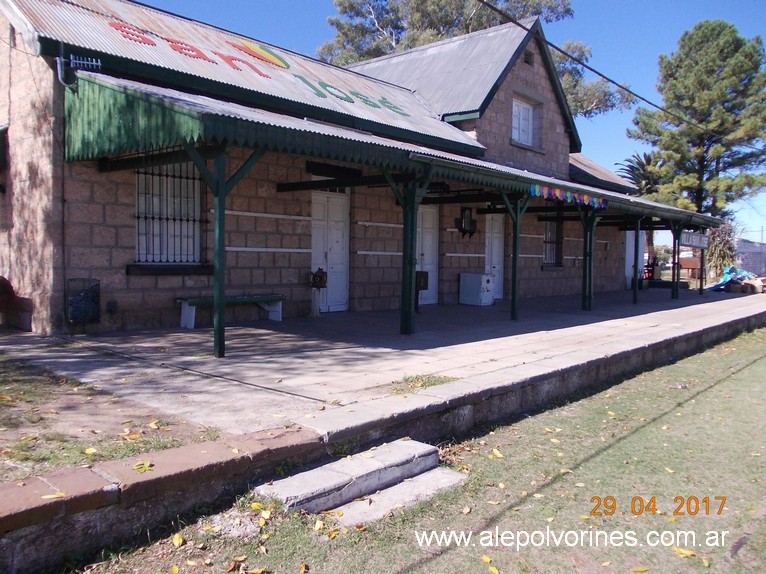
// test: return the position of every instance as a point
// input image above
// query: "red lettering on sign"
(189, 50)
(134, 34)
(231, 60)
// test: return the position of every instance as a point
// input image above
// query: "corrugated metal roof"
(108, 115)
(147, 116)
(481, 172)
(121, 30)
(583, 169)
(455, 75)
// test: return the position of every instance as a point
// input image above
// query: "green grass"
(414, 383)
(32, 442)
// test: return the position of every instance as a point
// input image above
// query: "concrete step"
(390, 500)
(352, 477)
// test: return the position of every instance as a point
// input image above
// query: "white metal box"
(476, 289)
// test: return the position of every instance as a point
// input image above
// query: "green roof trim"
(104, 120)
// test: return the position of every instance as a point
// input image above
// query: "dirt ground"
(48, 422)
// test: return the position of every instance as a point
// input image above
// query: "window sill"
(138, 269)
(534, 149)
(551, 267)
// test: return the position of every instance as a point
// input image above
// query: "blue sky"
(626, 36)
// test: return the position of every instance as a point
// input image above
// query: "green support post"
(220, 187)
(516, 209)
(589, 220)
(676, 228)
(219, 257)
(409, 198)
(635, 260)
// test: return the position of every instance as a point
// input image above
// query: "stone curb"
(112, 502)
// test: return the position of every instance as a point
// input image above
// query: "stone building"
(150, 158)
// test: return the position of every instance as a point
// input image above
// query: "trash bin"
(83, 301)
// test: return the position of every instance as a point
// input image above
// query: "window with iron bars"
(169, 214)
(553, 242)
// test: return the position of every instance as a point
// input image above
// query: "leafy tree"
(712, 141)
(587, 98)
(368, 29)
(723, 248)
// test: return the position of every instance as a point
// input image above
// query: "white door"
(329, 246)
(428, 251)
(495, 252)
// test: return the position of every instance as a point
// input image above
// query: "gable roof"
(459, 77)
(583, 169)
(133, 40)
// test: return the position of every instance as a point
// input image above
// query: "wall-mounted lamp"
(465, 223)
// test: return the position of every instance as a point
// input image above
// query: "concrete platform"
(344, 364)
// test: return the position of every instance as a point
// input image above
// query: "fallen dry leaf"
(683, 552)
(497, 453)
(143, 466)
(178, 540)
(57, 494)
(304, 568)
(639, 569)
(487, 559)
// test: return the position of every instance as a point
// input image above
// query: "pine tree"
(712, 141)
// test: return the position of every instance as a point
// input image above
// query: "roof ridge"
(528, 22)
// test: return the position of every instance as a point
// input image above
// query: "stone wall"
(268, 238)
(30, 208)
(532, 84)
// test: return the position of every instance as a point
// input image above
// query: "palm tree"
(644, 172)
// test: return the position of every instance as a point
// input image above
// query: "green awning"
(108, 116)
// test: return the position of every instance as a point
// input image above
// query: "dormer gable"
(460, 77)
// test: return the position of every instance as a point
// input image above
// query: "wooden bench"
(270, 302)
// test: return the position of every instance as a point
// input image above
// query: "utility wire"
(508, 18)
